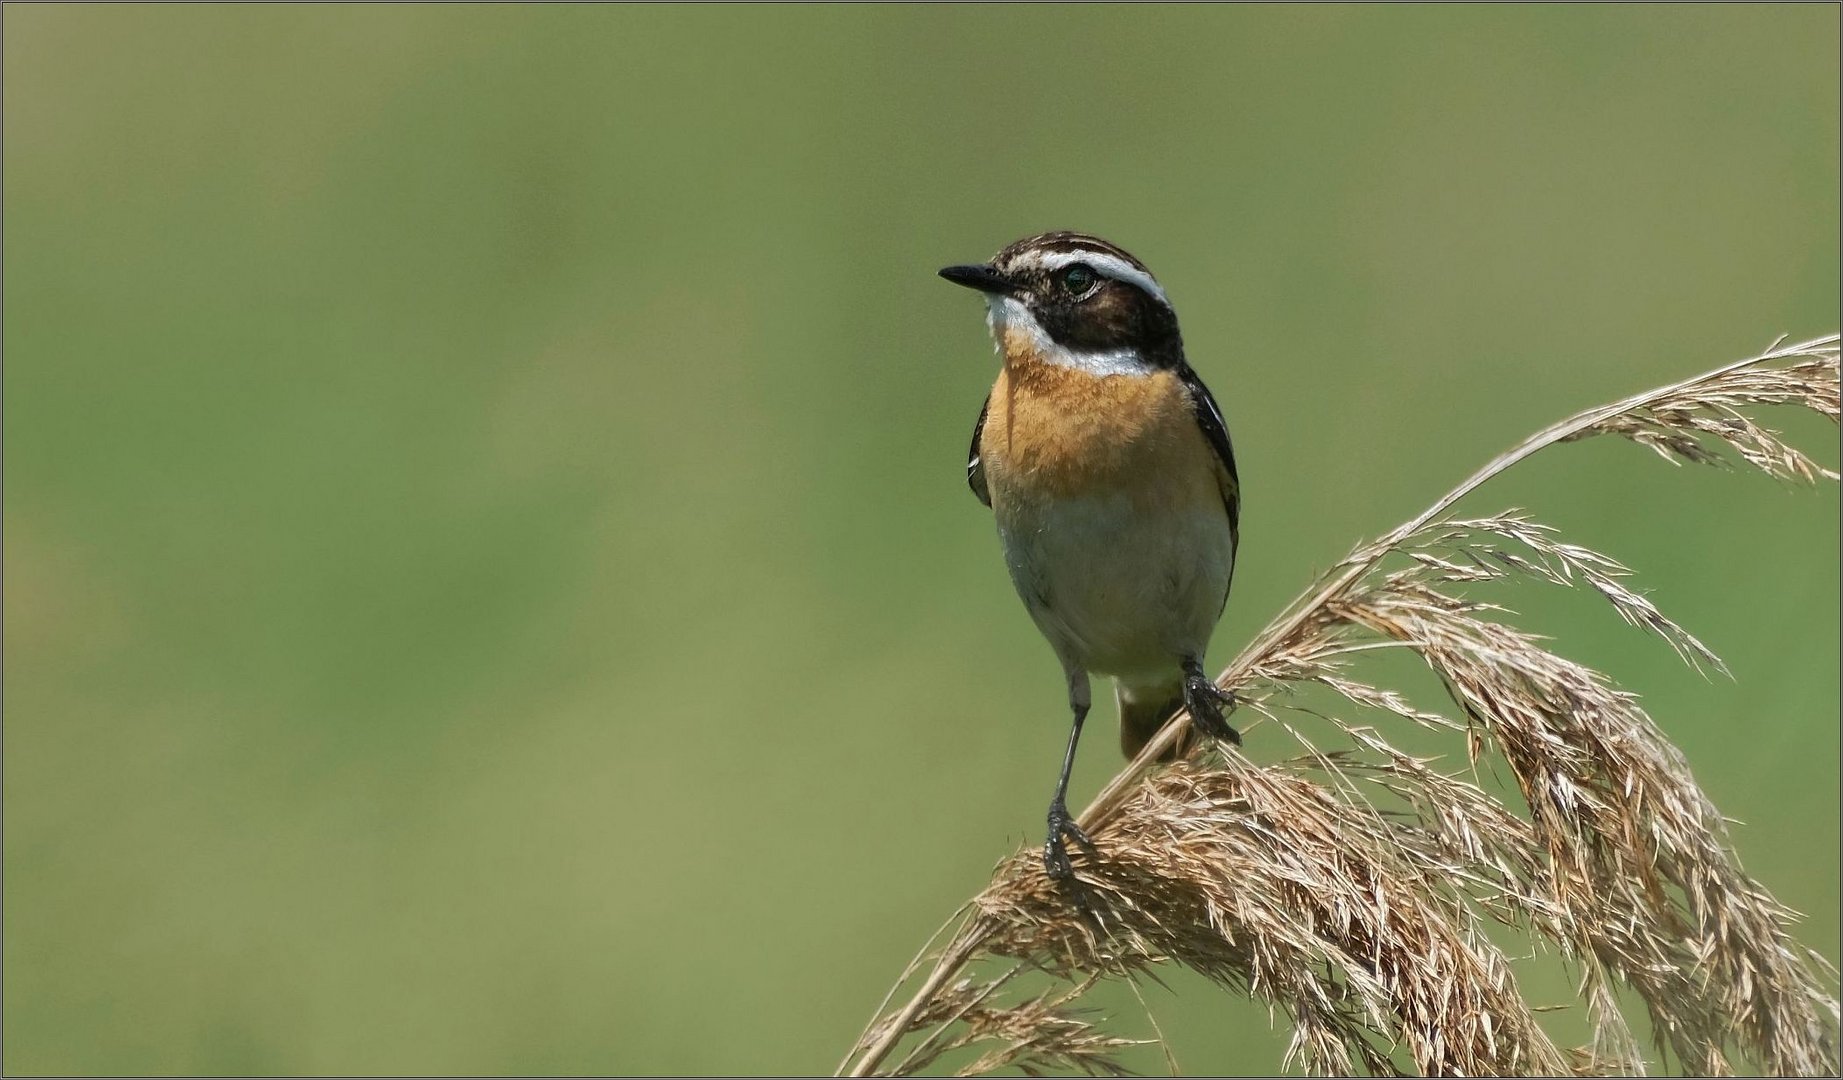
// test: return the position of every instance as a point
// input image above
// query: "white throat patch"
(1006, 315)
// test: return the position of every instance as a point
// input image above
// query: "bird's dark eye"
(1079, 279)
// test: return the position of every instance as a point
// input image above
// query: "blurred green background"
(489, 584)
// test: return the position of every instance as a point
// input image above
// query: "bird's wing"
(1209, 418)
(975, 468)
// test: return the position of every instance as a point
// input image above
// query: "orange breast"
(1052, 431)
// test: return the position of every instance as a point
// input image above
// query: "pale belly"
(1120, 589)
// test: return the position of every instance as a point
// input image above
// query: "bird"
(1109, 472)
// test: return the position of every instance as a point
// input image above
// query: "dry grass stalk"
(1041, 1033)
(1263, 881)
(1351, 886)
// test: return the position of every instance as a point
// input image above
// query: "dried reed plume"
(1352, 887)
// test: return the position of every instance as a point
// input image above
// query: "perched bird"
(1110, 475)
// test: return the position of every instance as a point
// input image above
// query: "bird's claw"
(1205, 701)
(1055, 852)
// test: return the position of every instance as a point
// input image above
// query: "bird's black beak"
(983, 278)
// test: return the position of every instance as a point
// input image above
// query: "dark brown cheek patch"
(1116, 312)
(1117, 316)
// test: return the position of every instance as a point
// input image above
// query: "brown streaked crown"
(1060, 242)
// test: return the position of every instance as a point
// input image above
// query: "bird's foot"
(1205, 701)
(1055, 853)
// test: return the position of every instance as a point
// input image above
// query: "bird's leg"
(1204, 700)
(1061, 824)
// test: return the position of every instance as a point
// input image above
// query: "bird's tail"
(1143, 711)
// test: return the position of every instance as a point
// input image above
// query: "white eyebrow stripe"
(1109, 266)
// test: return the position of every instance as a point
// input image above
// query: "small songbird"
(1110, 475)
